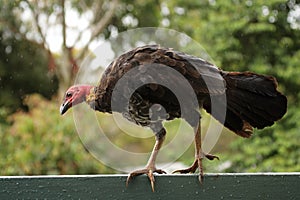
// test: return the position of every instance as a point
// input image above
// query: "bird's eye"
(68, 94)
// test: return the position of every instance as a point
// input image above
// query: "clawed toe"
(149, 172)
(197, 164)
(211, 157)
(184, 171)
(191, 169)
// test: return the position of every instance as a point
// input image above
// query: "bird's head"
(74, 95)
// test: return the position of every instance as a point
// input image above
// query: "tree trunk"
(62, 72)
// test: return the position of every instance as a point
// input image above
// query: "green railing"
(216, 186)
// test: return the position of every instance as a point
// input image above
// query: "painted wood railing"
(216, 186)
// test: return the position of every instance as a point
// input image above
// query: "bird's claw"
(211, 157)
(191, 169)
(195, 165)
(148, 171)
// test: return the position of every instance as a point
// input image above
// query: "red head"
(74, 95)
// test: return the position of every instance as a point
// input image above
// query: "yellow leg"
(150, 168)
(199, 155)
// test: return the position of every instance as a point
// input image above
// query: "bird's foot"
(148, 171)
(194, 166)
(197, 164)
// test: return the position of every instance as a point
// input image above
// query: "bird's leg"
(150, 168)
(199, 155)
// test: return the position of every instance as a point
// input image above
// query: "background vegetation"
(238, 35)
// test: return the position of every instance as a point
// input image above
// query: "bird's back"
(150, 75)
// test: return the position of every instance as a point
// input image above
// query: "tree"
(74, 27)
(22, 72)
(34, 20)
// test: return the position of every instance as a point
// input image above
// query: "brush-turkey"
(252, 100)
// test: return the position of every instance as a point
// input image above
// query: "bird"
(252, 100)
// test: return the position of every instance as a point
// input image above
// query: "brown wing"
(203, 77)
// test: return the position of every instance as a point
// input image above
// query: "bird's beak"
(65, 106)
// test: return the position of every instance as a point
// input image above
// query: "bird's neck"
(97, 100)
(90, 95)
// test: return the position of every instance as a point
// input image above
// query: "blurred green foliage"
(23, 70)
(40, 142)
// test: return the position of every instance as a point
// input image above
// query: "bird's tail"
(252, 101)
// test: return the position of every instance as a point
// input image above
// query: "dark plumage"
(252, 100)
